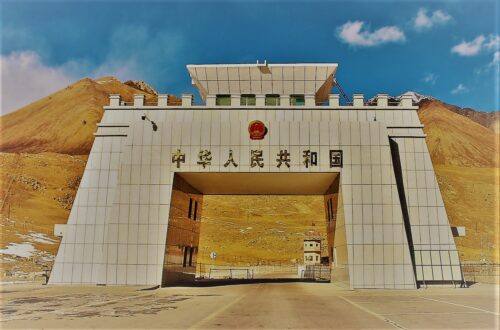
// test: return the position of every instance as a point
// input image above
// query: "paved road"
(249, 306)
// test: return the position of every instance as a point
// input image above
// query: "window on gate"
(190, 207)
(191, 256)
(195, 215)
(272, 99)
(332, 215)
(184, 260)
(297, 100)
(223, 100)
(247, 99)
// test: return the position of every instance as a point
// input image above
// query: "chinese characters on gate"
(309, 158)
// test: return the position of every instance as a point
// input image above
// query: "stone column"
(162, 100)
(187, 100)
(357, 100)
(139, 100)
(334, 100)
(235, 100)
(114, 100)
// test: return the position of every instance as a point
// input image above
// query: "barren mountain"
(259, 229)
(489, 120)
(141, 85)
(456, 140)
(62, 122)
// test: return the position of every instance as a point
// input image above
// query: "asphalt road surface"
(249, 306)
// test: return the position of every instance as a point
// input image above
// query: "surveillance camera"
(143, 117)
(155, 127)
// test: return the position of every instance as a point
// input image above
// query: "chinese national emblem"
(257, 130)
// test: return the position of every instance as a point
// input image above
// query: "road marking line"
(455, 304)
(211, 316)
(392, 301)
(380, 317)
(430, 313)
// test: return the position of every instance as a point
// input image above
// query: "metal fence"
(481, 272)
(230, 273)
(316, 272)
(212, 271)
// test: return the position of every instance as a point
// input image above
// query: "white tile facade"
(116, 232)
(117, 229)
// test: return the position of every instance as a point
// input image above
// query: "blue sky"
(449, 49)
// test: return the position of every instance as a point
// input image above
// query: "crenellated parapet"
(381, 101)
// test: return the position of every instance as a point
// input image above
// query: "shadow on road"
(222, 282)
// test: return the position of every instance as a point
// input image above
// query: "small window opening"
(272, 99)
(190, 207)
(195, 215)
(191, 256)
(224, 100)
(297, 100)
(247, 99)
(184, 260)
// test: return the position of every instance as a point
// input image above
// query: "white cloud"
(470, 48)
(134, 52)
(26, 79)
(479, 44)
(138, 52)
(423, 21)
(353, 33)
(494, 64)
(493, 42)
(430, 78)
(460, 89)
(496, 58)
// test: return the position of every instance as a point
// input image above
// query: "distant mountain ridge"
(489, 120)
(456, 140)
(141, 85)
(416, 98)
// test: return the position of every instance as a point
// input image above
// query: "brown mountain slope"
(259, 229)
(489, 120)
(471, 199)
(36, 192)
(63, 122)
(455, 140)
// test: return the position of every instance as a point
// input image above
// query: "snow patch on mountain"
(141, 85)
(23, 250)
(415, 97)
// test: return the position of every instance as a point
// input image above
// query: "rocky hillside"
(259, 229)
(489, 120)
(62, 122)
(456, 140)
(36, 192)
(141, 85)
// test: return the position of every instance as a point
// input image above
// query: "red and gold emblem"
(257, 130)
